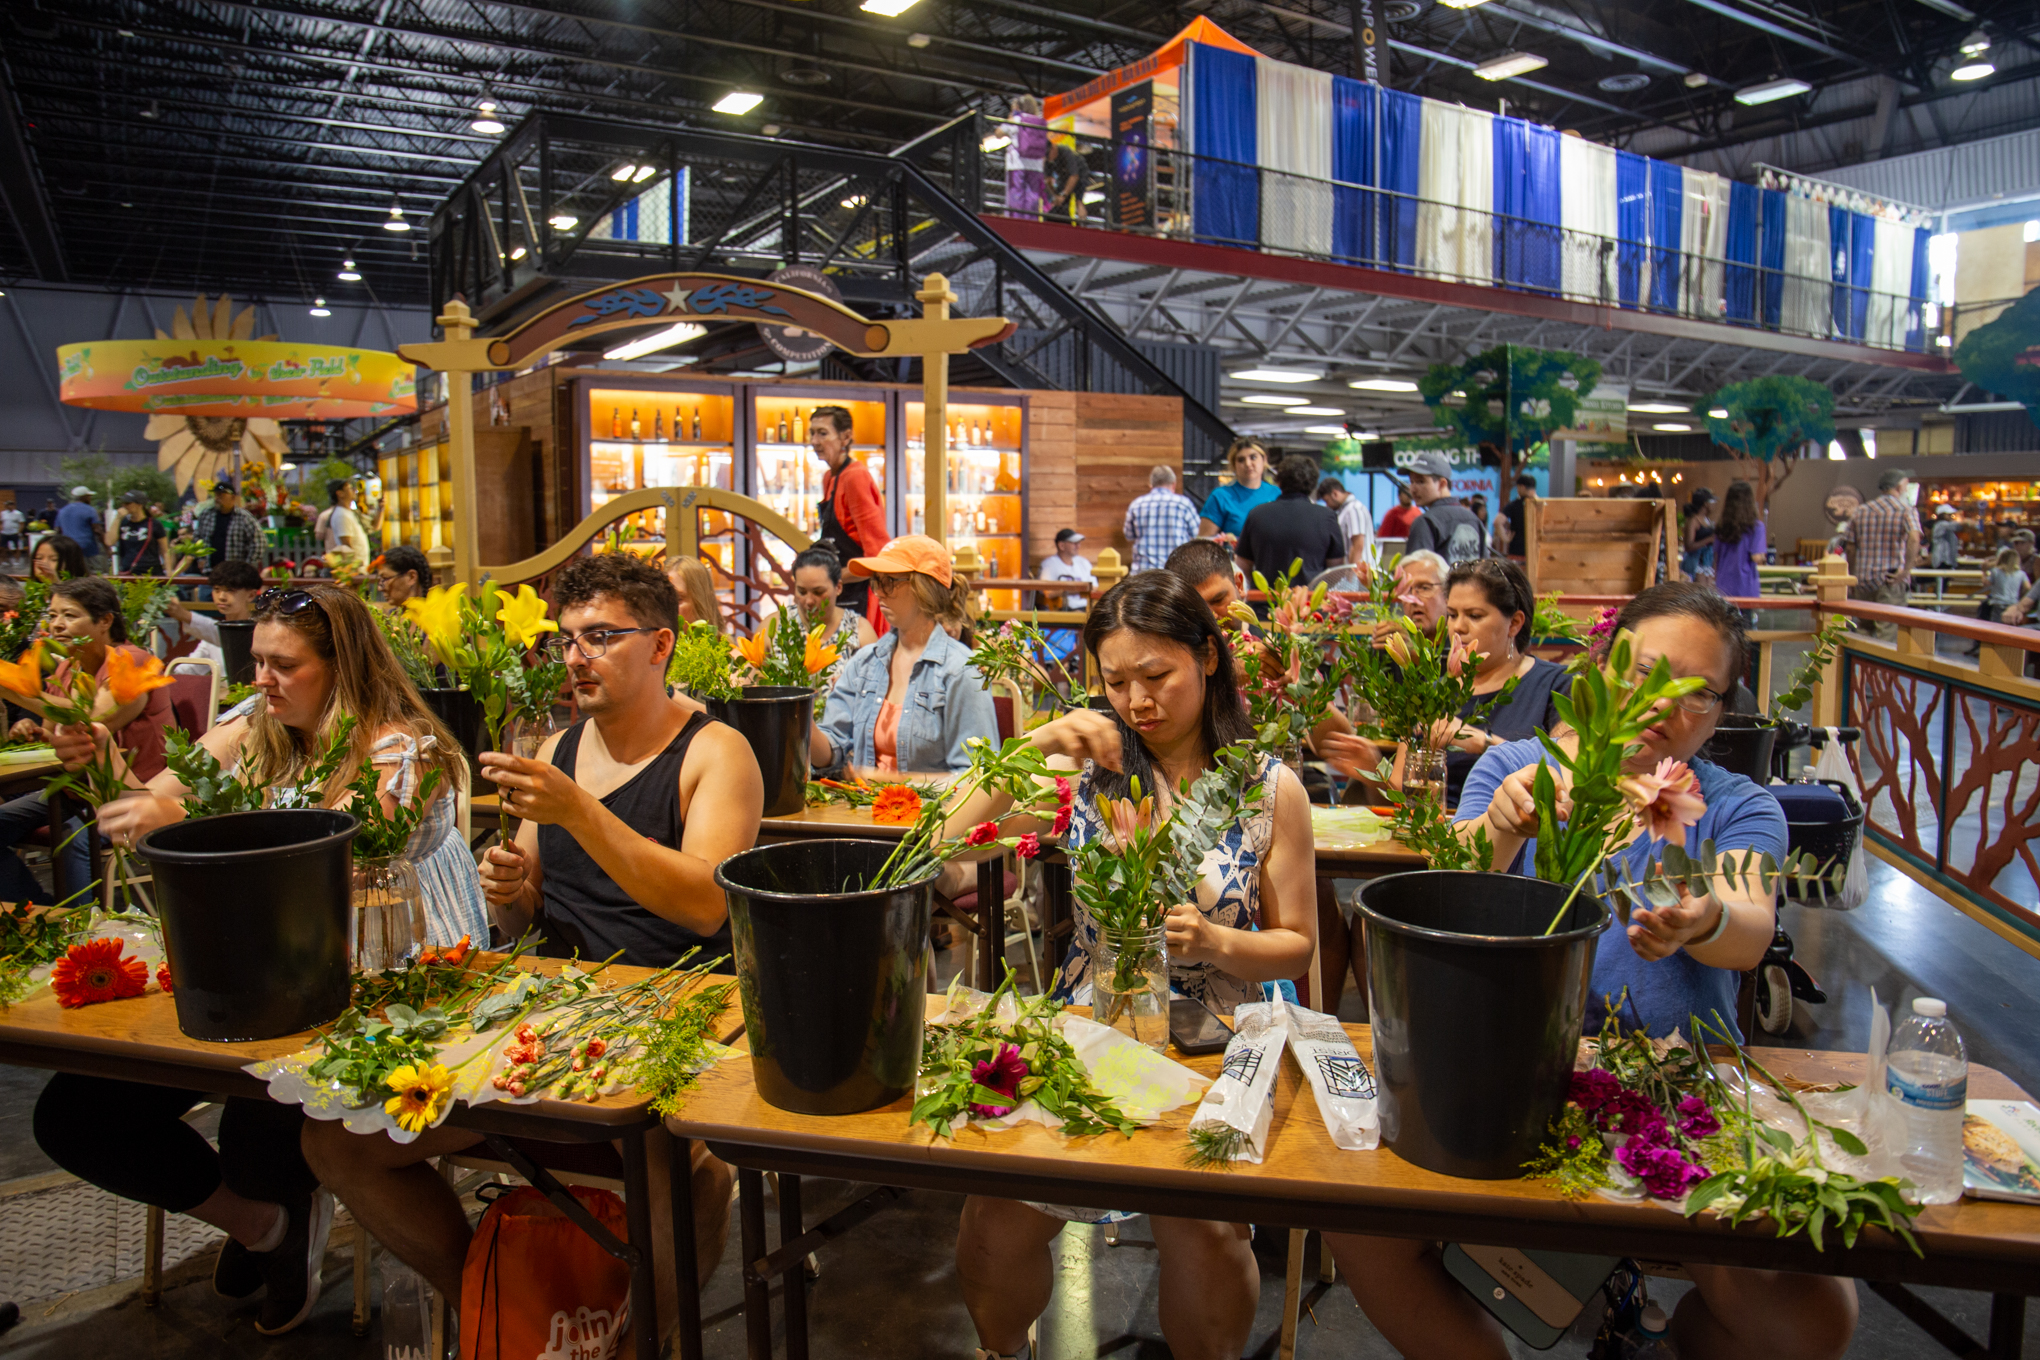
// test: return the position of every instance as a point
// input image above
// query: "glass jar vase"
(1130, 984)
(1424, 774)
(389, 914)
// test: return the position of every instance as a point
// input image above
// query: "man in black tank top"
(625, 817)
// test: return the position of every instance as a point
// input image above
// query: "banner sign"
(1132, 166)
(269, 378)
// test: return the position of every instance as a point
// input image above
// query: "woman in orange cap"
(908, 702)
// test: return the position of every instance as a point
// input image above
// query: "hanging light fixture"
(319, 307)
(486, 122)
(396, 222)
(348, 273)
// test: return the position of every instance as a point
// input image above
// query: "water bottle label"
(1936, 1097)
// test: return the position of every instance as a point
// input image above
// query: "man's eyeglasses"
(1420, 588)
(1699, 703)
(288, 603)
(592, 644)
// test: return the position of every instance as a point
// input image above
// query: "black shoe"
(291, 1272)
(237, 1273)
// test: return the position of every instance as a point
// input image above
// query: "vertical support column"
(935, 298)
(1831, 586)
(457, 324)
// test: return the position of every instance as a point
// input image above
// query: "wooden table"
(1306, 1182)
(138, 1040)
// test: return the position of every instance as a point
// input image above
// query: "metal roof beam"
(28, 205)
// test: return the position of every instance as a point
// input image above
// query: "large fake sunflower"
(195, 447)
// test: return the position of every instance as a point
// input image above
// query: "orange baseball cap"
(908, 553)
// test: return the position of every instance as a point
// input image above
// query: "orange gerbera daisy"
(896, 805)
(97, 971)
(128, 679)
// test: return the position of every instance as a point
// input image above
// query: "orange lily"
(819, 657)
(24, 677)
(128, 680)
(753, 650)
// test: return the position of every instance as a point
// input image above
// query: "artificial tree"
(2004, 355)
(1511, 398)
(1768, 421)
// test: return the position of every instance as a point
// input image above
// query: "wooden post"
(458, 324)
(935, 298)
(1830, 585)
(439, 558)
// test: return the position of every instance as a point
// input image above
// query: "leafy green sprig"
(413, 651)
(1017, 650)
(213, 792)
(1799, 686)
(384, 834)
(1216, 1148)
(1017, 769)
(362, 1050)
(703, 662)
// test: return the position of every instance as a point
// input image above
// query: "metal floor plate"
(70, 1236)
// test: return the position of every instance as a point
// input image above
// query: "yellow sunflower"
(422, 1094)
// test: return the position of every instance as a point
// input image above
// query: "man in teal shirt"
(1225, 510)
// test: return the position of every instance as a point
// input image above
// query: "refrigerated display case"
(665, 436)
(987, 444)
(785, 473)
(414, 508)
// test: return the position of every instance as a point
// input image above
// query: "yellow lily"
(818, 657)
(437, 615)
(754, 650)
(523, 617)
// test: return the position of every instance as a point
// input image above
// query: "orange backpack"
(535, 1287)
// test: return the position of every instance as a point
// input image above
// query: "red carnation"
(984, 833)
(1029, 846)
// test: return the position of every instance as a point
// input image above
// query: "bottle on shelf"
(697, 424)
(637, 431)
(658, 427)
(1927, 1073)
(785, 430)
(616, 422)
(799, 428)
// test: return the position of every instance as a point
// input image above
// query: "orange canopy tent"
(1167, 57)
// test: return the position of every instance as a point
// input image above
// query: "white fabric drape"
(1586, 209)
(1456, 183)
(1703, 237)
(1890, 282)
(1809, 289)
(1293, 118)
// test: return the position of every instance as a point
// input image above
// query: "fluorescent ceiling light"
(887, 9)
(1673, 427)
(1657, 408)
(1317, 411)
(998, 141)
(679, 333)
(1509, 64)
(1272, 399)
(623, 172)
(1382, 385)
(562, 222)
(1717, 413)
(1461, 4)
(486, 122)
(1783, 88)
(348, 273)
(1339, 430)
(644, 172)
(1278, 375)
(319, 307)
(738, 102)
(1974, 70)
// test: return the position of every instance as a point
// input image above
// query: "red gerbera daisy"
(97, 971)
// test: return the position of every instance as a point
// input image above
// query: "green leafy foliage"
(1552, 622)
(1572, 1155)
(2001, 357)
(362, 1050)
(1414, 682)
(143, 603)
(1018, 651)
(1420, 824)
(1799, 687)
(1512, 396)
(1296, 662)
(1017, 769)
(1216, 1148)
(531, 691)
(31, 938)
(385, 834)
(1770, 417)
(673, 1050)
(703, 662)
(212, 791)
(412, 650)
(18, 626)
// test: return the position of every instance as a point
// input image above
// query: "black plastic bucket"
(237, 649)
(1476, 1014)
(1742, 744)
(462, 714)
(776, 720)
(834, 983)
(255, 909)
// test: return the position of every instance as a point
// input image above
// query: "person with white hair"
(1160, 521)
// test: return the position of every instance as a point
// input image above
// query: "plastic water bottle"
(1650, 1341)
(1928, 1074)
(406, 1312)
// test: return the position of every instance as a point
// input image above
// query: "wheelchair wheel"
(1774, 999)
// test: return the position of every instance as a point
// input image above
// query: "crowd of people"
(623, 817)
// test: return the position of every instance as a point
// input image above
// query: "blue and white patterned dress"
(449, 883)
(1229, 896)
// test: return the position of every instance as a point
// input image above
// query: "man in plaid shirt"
(233, 532)
(1160, 521)
(1883, 539)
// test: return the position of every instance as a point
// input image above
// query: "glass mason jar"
(389, 914)
(1130, 984)
(1291, 754)
(1424, 774)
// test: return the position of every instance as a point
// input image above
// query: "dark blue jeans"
(18, 819)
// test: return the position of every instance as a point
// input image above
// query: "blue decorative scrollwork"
(720, 297)
(623, 302)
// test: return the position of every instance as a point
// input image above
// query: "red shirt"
(861, 512)
(1396, 523)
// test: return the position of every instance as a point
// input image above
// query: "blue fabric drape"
(1225, 186)
(1402, 145)
(1852, 236)
(1352, 163)
(1739, 280)
(1667, 219)
(1771, 253)
(1916, 310)
(1526, 205)
(1632, 224)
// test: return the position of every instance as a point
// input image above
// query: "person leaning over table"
(1675, 961)
(318, 656)
(909, 702)
(625, 817)
(1167, 670)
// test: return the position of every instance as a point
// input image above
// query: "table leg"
(637, 1209)
(794, 1286)
(686, 1264)
(757, 1287)
(2007, 1326)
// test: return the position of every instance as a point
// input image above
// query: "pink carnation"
(1028, 846)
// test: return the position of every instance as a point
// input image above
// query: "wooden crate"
(1598, 547)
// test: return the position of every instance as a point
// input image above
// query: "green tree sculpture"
(1768, 421)
(2004, 356)
(1511, 397)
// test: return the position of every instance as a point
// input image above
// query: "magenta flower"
(1664, 1171)
(1003, 1073)
(1636, 1116)
(1593, 1089)
(1696, 1119)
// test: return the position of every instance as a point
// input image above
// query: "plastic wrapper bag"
(1242, 1100)
(1338, 1078)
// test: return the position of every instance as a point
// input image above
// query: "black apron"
(856, 595)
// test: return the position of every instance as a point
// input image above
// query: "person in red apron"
(852, 510)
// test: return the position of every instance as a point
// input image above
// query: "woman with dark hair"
(1698, 559)
(402, 572)
(58, 558)
(1675, 962)
(1739, 545)
(1168, 673)
(818, 590)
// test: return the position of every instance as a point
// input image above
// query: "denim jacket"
(945, 705)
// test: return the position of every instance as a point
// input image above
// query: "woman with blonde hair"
(690, 576)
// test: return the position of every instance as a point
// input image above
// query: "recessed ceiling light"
(396, 222)
(1382, 385)
(1673, 427)
(319, 307)
(624, 171)
(1272, 399)
(738, 102)
(887, 9)
(1783, 88)
(1317, 411)
(918, 40)
(1717, 413)
(1339, 430)
(769, 130)
(1657, 408)
(1509, 64)
(1279, 375)
(486, 122)
(679, 333)
(562, 222)
(1974, 70)
(348, 273)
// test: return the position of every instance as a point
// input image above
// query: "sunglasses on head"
(288, 603)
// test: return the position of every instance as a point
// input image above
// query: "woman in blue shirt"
(1225, 509)
(1676, 961)
(908, 702)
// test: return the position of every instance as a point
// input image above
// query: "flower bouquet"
(786, 653)
(143, 604)
(1018, 651)
(1295, 663)
(18, 626)
(704, 663)
(483, 652)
